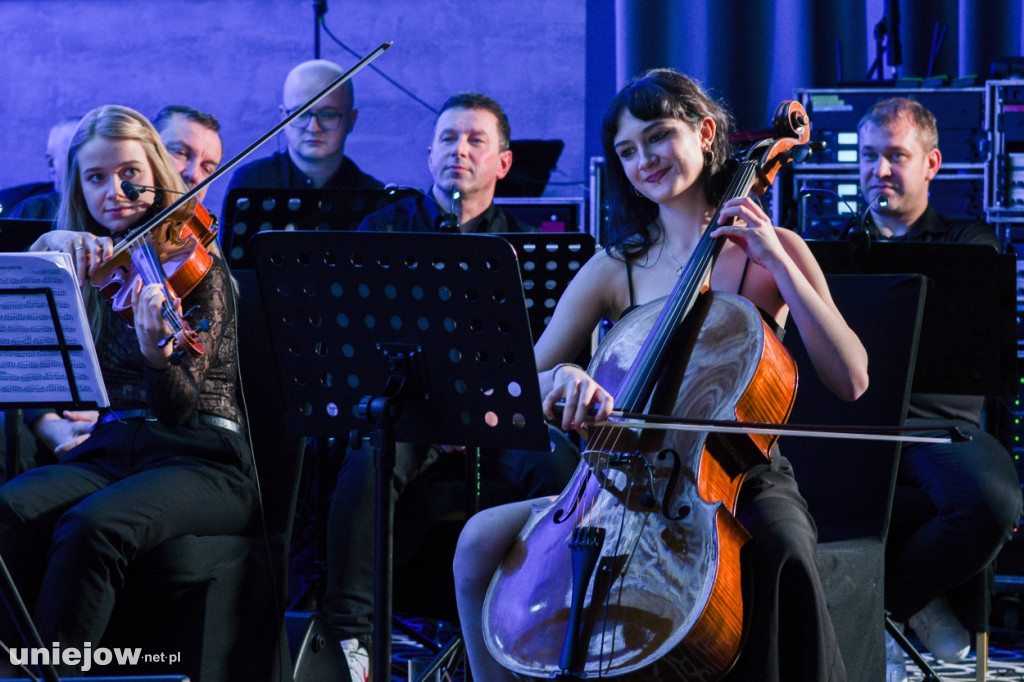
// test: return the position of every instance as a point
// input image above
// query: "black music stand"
(63, 348)
(547, 263)
(969, 334)
(248, 211)
(409, 337)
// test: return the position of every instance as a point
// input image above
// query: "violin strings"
(151, 262)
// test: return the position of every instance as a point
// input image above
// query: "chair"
(219, 600)
(849, 484)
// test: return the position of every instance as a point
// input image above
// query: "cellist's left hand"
(150, 327)
(753, 230)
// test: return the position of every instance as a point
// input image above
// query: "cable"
(383, 75)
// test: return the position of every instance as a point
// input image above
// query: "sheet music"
(32, 367)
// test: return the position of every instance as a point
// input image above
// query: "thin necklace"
(679, 266)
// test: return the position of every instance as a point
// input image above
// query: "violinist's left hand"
(87, 250)
(150, 326)
(753, 231)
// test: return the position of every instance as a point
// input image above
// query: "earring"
(709, 157)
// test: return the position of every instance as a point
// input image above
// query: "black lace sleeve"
(207, 383)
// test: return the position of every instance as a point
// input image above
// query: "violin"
(639, 555)
(171, 248)
(173, 254)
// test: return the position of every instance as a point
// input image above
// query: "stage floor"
(1006, 661)
(1006, 656)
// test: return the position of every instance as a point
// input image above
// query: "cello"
(639, 555)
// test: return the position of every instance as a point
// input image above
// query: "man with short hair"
(969, 490)
(44, 206)
(192, 138)
(469, 153)
(315, 157)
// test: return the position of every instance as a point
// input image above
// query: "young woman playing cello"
(170, 457)
(665, 140)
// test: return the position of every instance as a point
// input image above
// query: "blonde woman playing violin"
(171, 456)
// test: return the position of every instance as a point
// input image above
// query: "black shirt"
(279, 171)
(422, 214)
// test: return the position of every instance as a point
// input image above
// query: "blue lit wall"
(230, 57)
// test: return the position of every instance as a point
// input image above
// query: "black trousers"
(955, 507)
(69, 531)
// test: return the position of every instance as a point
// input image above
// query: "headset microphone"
(132, 191)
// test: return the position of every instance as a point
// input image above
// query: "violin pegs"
(176, 356)
(191, 311)
(164, 341)
(203, 325)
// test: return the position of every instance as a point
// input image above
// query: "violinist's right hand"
(87, 250)
(585, 399)
(63, 432)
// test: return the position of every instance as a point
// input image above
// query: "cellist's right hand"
(585, 399)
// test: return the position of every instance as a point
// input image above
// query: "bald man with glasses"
(315, 157)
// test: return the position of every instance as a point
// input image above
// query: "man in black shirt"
(956, 504)
(468, 155)
(316, 140)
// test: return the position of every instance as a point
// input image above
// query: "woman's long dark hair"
(659, 93)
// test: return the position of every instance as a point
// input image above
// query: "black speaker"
(316, 655)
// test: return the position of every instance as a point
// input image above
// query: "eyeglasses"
(328, 120)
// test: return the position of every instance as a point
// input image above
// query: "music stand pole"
(382, 412)
(22, 620)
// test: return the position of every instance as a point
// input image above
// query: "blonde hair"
(116, 123)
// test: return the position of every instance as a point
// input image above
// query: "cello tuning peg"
(164, 341)
(203, 325)
(191, 311)
(176, 356)
(800, 153)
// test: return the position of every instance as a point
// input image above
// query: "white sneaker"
(895, 662)
(941, 632)
(358, 659)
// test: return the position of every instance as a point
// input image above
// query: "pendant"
(679, 271)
